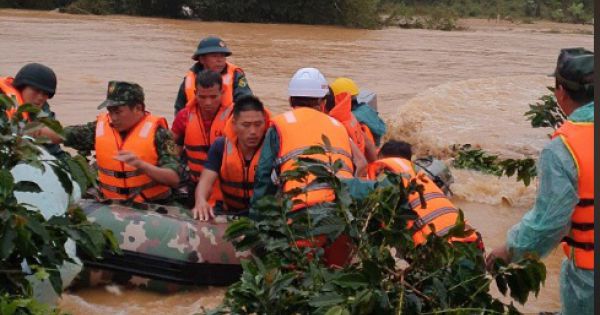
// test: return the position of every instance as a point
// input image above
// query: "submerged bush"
(388, 274)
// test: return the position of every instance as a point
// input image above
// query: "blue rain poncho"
(543, 227)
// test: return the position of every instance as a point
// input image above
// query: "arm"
(79, 137)
(543, 227)
(202, 209)
(169, 170)
(370, 149)
(179, 126)
(240, 84)
(360, 163)
(263, 185)
(180, 100)
(161, 175)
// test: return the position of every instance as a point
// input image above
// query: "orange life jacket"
(118, 180)
(438, 210)
(300, 129)
(227, 91)
(342, 111)
(579, 244)
(6, 86)
(236, 177)
(197, 141)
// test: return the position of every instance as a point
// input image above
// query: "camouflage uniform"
(83, 137)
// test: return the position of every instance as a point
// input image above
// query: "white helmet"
(308, 82)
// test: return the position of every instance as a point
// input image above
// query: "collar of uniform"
(584, 113)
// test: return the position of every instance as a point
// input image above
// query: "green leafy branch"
(546, 112)
(26, 237)
(467, 157)
(388, 273)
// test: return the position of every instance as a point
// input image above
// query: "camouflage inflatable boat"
(162, 244)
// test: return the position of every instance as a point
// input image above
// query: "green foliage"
(352, 13)
(467, 157)
(572, 11)
(546, 113)
(388, 274)
(437, 18)
(432, 14)
(22, 306)
(25, 235)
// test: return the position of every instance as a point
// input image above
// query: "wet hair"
(581, 96)
(208, 79)
(247, 103)
(301, 101)
(329, 100)
(396, 148)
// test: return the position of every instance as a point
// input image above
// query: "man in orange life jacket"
(135, 153)
(290, 135)
(34, 84)
(211, 54)
(233, 159)
(564, 206)
(340, 107)
(201, 122)
(395, 156)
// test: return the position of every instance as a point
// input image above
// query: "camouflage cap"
(575, 68)
(122, 93)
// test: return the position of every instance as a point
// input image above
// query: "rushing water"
(436, 88)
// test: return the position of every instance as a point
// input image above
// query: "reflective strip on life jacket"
(118, 180)
(300, 129)
(437, 210)
(236, 178)
(579, 244)
(197, 141)
(227, 90)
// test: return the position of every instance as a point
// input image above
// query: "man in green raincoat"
(564, 207)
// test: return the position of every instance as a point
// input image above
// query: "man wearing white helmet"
(290, 134)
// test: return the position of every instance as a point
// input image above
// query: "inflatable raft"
(161, 244)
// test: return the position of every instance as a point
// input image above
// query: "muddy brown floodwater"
(437, 88)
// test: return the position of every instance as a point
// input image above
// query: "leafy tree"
(26, 237)
(388, 275)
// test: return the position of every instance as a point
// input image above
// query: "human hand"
(498, 252)
(203, 211)
(129, 158)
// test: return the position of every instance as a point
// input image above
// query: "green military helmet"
(38, 76)
(123, 93)
(211, 44)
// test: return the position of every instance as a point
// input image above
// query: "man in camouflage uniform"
(211, 54)
(126, 115)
